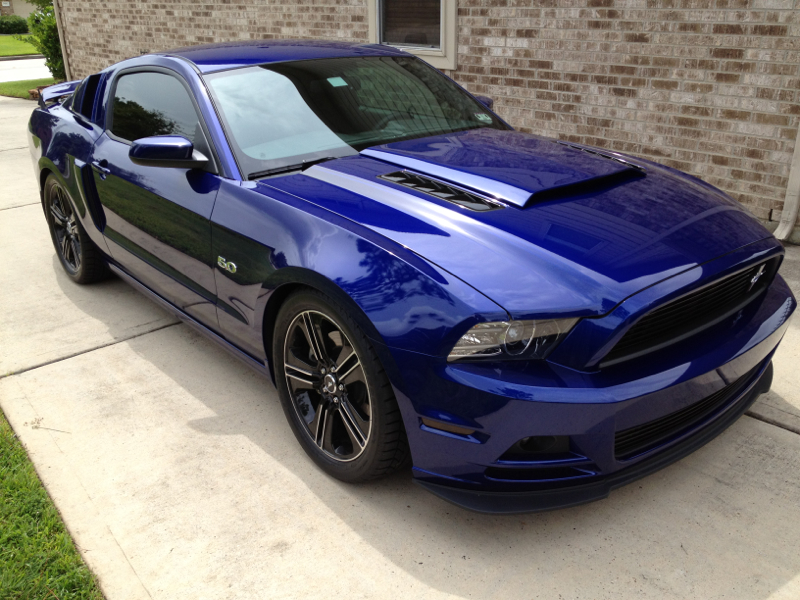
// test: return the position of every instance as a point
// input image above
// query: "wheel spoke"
(313, 338)
(58, 216)
(63, 204)
(342, 363)
(299, 364)
(76, 253)
(349, 366)
(303, 379)
(352, 423)
(65, 247)
(322, 427)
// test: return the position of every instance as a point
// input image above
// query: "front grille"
(689, 314)
(443, 191)
(636, 440)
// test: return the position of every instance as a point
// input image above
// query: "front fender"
(277, 240)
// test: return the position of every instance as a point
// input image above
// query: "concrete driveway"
(178, 477)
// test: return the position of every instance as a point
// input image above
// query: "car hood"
(581, 229)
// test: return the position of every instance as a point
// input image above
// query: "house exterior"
(16, 7)
(711, 87)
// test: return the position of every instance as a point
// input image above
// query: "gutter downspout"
(60, 25)
(791, 205)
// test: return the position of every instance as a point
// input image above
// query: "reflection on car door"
(157, 218)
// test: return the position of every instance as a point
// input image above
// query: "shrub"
(44, 37)
(13, 24)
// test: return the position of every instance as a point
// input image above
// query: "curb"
(21, 57)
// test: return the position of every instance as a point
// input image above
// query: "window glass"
(147, 104)
(284, 114)
(416, 23)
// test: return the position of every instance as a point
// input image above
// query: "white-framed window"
(425, 28)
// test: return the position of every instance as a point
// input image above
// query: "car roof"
(229, 55)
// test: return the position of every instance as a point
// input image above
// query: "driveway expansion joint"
(20, 205)
(773, 422)
(88, 350)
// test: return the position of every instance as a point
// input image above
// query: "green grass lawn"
(37, 557)
(19, 89)
(11, 47)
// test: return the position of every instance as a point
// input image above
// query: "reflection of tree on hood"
(133, 122)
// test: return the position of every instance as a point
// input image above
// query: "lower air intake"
(642, 438)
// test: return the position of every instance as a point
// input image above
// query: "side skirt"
(257, 366)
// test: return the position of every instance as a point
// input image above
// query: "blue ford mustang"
(530, 322)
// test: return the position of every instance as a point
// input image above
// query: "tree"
(41, 3)
(44, 36)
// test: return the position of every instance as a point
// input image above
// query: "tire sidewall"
(359, 468)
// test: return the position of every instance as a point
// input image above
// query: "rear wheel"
(81, 259)
(334, 391)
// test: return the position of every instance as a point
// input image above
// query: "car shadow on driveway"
(182, 422)
(720, 522)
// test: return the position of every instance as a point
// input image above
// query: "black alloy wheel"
(334, 391)
(326, 379)
(65, 230)
(80, 258)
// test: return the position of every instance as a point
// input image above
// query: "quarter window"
(147, 104)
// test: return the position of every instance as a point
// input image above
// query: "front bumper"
(542, 500)
(504, 403)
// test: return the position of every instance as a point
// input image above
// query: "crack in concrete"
(74, 354)
(773, 422)
(7, 149)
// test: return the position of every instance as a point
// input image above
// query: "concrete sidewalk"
(23, 68)
(178, 476)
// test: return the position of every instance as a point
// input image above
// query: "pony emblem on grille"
(756, 277)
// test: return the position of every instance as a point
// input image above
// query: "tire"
(81, 259)
(334, 391)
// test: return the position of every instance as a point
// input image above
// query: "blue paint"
(596, 235)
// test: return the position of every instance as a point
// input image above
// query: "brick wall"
(101, 32)
(711, 87)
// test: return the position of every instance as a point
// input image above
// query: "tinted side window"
(147, 104)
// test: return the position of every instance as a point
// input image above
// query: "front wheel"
(334, 391)
(81, 259)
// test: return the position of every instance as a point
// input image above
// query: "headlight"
(511, 339)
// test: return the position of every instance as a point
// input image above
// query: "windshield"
(286, 114)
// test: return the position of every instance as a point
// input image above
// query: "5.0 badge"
(224, 264)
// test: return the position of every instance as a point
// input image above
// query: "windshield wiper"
(288, 168)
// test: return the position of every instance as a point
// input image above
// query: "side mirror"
(166, 151)
(486, 101)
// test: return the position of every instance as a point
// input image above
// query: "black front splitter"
(543, 500)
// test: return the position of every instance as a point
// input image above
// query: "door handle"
(101, 167)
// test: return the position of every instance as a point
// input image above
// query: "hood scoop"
(442, 190)
(509, 166)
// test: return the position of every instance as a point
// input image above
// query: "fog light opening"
(539, 448)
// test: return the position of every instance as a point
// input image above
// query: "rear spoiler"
(54, 92)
